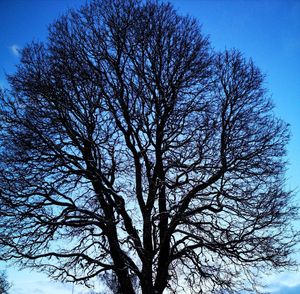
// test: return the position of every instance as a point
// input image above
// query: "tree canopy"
(131, 150)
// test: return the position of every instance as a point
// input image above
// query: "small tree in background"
(129, 147)
(4, 284)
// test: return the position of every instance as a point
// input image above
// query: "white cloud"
(277, 282)
(15, 49)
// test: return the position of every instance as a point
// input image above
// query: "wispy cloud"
(36, 286)
(15, 49)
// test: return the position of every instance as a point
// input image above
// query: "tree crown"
(128, 146)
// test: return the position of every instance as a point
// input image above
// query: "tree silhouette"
(128, 146)
(4, 284)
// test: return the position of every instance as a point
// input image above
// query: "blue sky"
(267, 31)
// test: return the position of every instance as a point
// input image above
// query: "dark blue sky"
(268, 31)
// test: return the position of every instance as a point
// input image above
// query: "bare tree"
(4, 284)
(129, 146)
